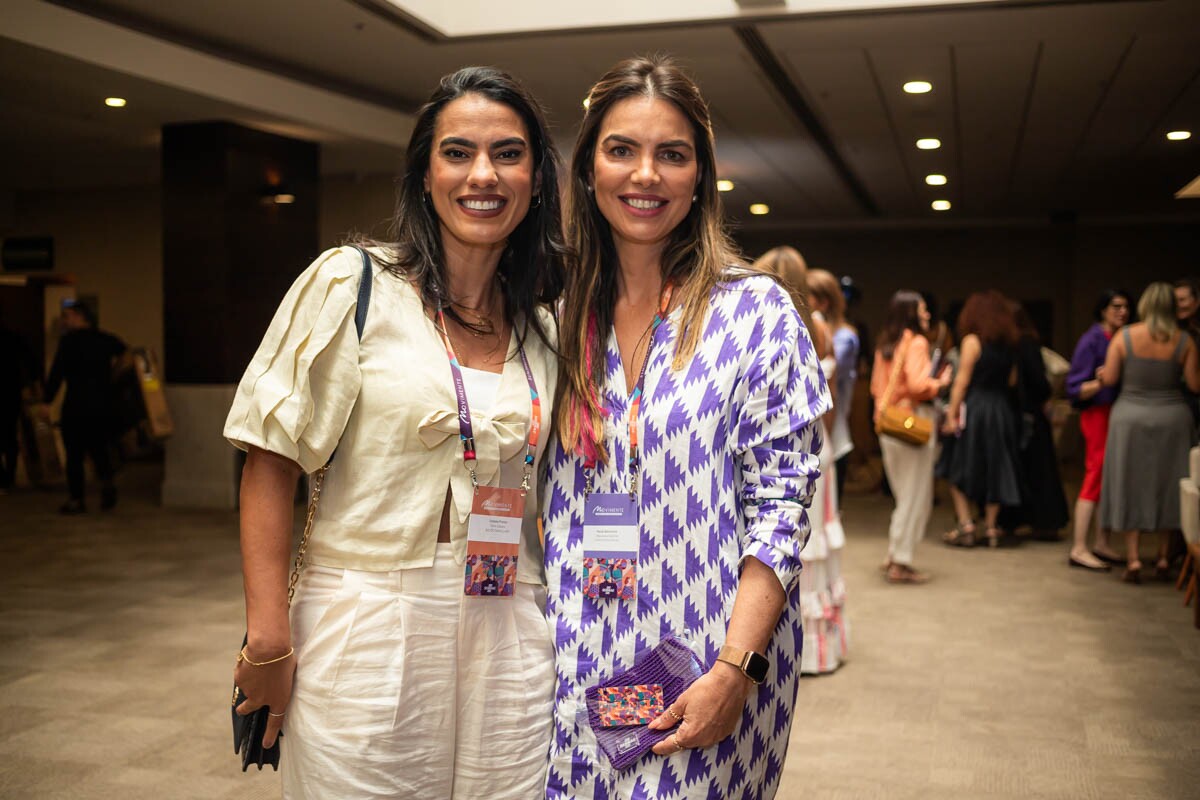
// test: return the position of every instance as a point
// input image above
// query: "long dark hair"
(531, 268)
(697, 256)
(1105, 300)
(902, 316)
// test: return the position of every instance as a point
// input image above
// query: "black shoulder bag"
(248, 730)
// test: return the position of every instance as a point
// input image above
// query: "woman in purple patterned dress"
(693, 396)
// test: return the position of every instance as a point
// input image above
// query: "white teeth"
(482, 205)
(645, 204)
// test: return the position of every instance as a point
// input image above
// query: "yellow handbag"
(898, 422)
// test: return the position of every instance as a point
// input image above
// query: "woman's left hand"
(710, 710)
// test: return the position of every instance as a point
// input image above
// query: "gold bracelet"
(243, 657)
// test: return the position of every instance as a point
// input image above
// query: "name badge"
(493, 537)
(610, 546)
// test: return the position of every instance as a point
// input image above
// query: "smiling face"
(480, 175)
(644, 171)
(1185, 303)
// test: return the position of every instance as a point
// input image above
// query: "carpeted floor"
(1008, 676)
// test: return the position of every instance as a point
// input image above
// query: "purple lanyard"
(466, 432)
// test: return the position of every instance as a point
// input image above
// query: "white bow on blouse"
(497, 440)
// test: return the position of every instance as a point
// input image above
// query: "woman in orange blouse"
(909, 468)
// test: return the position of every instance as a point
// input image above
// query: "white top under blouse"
(387, 405)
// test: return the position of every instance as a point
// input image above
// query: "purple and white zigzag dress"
(729, 464)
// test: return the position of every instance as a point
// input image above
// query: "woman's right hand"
(267, 685)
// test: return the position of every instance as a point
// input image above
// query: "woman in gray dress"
(1150, 431)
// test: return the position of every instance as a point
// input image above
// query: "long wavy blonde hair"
(697, 256)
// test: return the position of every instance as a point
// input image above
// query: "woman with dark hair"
(1151, 431)
(397, 673)
(903, 376)
(982, 414)
(689, 413)
(1094, 401)
(1043, 504)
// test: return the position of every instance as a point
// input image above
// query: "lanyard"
(466, 432)
(635, 400)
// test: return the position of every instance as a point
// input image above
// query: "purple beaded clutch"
(670, 664)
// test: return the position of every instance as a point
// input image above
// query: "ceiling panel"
(841, 87)
(993, 88)
(1071, 79)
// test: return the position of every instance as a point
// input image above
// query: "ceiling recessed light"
(935, 180)
(928, 144)
(940, 205)
(724, 186)
(1179, 136)
(759, 209)
(284, 199)
(114, 102)
(587, 101)
(918, 87)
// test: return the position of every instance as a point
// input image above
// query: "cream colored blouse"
(387, 405)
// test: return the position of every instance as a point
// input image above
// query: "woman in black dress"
(1043, 505)
(982, 412)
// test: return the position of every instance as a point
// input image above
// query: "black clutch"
(248, 730)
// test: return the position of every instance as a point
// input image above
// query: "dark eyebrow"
(626, 140)
(622, 139)
(509, 142)
(461, 142)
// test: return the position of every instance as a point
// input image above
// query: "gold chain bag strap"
(898, 422)
(248, 729)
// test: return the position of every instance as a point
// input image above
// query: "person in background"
(1150, 431)
(17, 371)
(1094, 401)
(822, 588)
(1187, 314)
(1043, 504)
(84, 361)
(984, 469)
(909, 468)
(827, 299)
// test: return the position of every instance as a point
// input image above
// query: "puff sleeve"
(297, 394)
(778, 406)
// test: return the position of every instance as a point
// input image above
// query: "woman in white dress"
(822, 589)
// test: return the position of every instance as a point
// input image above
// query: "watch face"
(756, 667)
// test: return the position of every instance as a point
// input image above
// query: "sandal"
(963, 535)
(993, 537)
(902, 573)
(1133, 574)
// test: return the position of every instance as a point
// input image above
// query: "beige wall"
(111, 242)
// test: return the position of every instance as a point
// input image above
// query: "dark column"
(239, 224)
(229, 249)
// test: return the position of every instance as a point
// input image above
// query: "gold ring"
(270, 714)
(677, 717)
(678, 747)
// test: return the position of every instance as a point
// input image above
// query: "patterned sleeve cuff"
(783, 561)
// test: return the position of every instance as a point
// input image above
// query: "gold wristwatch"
(753, 665)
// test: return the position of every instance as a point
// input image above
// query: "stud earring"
(695, 197)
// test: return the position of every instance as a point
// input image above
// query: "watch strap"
(751, 664)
